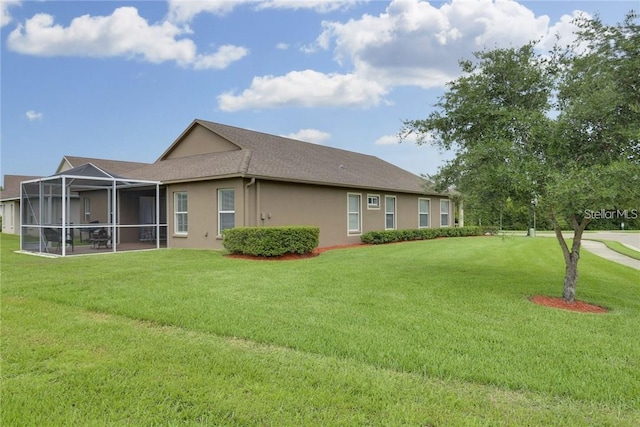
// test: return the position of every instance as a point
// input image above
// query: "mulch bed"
(580, 306)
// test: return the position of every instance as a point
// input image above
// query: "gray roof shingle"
(11, 186)
(117, 167)
(274, 157)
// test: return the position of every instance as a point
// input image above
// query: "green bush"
(391, 236)
(271, 241)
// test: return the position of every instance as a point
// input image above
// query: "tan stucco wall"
(200, 141)
(10, 217)
(99, 206)
(202, 213)
(300, 204)
(271, 203)
(326, 207)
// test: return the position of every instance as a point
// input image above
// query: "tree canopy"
(560, 129)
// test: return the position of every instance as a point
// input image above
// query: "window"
(373, 201)
(87, 209)
(424, 205)
(180, 209)
(226, 209)
(353, 213)
(390, 212)
(444, 213)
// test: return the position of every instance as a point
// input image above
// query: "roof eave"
(344, 185)
(202, 178)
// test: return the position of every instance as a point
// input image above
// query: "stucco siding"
(200, 141)
(283, 204)
(98, 207)
(202, 200)
(10, 214)
(274, 203)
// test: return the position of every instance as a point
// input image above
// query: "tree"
(560, 129)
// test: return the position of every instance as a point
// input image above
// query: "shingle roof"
(274, 157)
(11, 186)
(117, 167)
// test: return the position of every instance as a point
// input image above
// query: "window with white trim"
(354, 225)
(424, 205)
(373, 201)
(87, 208)
(390, 213)
(180, 212)
(226, 209)
(445, 207)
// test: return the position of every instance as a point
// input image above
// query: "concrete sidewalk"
(603, 251)
(631, 240)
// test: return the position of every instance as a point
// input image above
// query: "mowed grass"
(423, 333)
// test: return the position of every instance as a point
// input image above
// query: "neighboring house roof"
(262, 155)
(11, 186)
(117, 167)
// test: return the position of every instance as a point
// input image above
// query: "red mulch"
(580, 306)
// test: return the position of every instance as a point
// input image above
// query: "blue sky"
(122, 80)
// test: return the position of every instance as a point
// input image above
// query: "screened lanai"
(87, 210)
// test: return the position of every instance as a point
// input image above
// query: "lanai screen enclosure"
(94, 210)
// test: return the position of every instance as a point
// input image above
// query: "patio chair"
(101, 238)
(55, 236)
(89, 231)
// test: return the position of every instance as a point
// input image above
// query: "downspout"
(246, 201)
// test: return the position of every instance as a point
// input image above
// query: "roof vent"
(341, 166)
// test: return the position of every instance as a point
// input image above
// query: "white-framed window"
(181, 212)
(373, 201)
(390, 212)
(87, 208)
(424, 205)
(445, 206)
(354, 221)
(226, 209)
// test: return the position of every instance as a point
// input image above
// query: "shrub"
(390, 236)
(271, 241)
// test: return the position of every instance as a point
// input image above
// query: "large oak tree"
(560, 129)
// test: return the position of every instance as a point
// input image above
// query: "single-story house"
(10, 202)
(214, 177)
(10, 194)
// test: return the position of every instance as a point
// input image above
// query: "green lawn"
(424, 333)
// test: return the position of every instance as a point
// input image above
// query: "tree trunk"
(571, 278)
(571, 257)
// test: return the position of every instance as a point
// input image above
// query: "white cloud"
(319, 6)
(185, 10)
(225, 55)
(563, 31)
(310, 135)
(282, 46)
(305, 89)
(415, 43)
(411, 43)
(395, 139)
(32, 115)
(5, 16)
(123, 33)
(387, 140)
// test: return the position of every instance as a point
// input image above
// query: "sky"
(122, 80)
